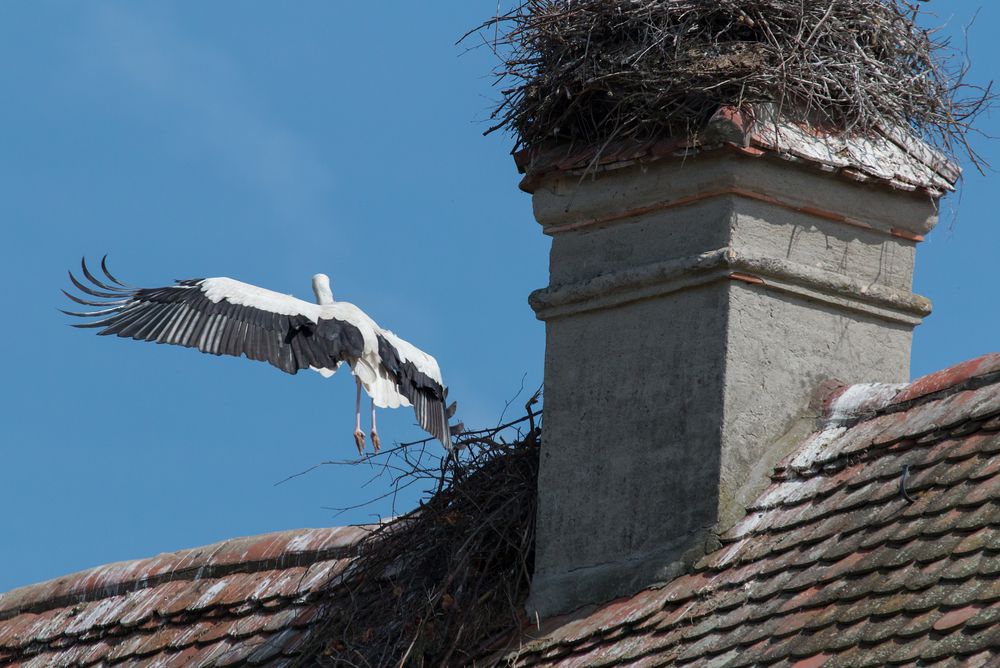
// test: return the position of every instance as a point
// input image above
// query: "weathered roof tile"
(193, 607)
(979, 660)
(987, 614)
(833, 566)
(955, 618)
(90, 654)
(814, 661)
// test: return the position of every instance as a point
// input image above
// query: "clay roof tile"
(833, 566)
(192, 607)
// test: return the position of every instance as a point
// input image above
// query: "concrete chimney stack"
(699, 294)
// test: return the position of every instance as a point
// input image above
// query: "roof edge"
(278, 550)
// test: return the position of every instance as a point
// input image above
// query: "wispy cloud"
(205, 100)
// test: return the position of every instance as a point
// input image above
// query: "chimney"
(699, 294)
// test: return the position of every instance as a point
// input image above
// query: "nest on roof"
(596, 71)
(441, 585)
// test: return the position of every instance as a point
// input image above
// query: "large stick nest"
(442, 584)
(593, 71)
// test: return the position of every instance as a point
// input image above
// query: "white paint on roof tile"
(862, 398)
(206, 599)
(306, 541)
(748, 524)
(777, 494)
(743, 530)
(97, 614)
(48, 628)
(264, 588)
(816, 445)
(191, 633)
(317, 575)
(140, 606)
(731, 551)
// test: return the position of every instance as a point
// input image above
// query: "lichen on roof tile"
(186, 608)
(833, 565)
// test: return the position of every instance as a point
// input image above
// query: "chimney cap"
(889, 157)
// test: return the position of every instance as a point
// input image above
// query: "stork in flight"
(223, 316)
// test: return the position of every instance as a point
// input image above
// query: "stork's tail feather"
(450, 430)
(446, 432)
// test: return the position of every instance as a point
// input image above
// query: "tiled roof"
(889, 158)
(833, 565)
(246, 601)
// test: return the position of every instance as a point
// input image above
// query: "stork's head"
(321, 286)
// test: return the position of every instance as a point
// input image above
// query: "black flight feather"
(104, 268)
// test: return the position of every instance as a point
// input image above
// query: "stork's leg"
(359, 436)
(375, 439)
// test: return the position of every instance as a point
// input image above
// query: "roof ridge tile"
(850, 404)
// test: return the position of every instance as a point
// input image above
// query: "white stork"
(223, 316)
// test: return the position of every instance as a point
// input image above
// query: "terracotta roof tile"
(955, 618)
(980, 660)
(814, 661)
(832, 566)
(951, 377)
(247, 601)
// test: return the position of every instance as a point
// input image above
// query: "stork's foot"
(359, 440)
(376, 442)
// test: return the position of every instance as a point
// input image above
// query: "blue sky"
(268, 142)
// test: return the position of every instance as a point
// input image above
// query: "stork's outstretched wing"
(220, 316)
(418, 378)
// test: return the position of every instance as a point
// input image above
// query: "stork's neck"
(321, 288)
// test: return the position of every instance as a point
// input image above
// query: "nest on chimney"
(439, 585)
(589, 72)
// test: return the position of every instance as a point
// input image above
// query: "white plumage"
(223, 316)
